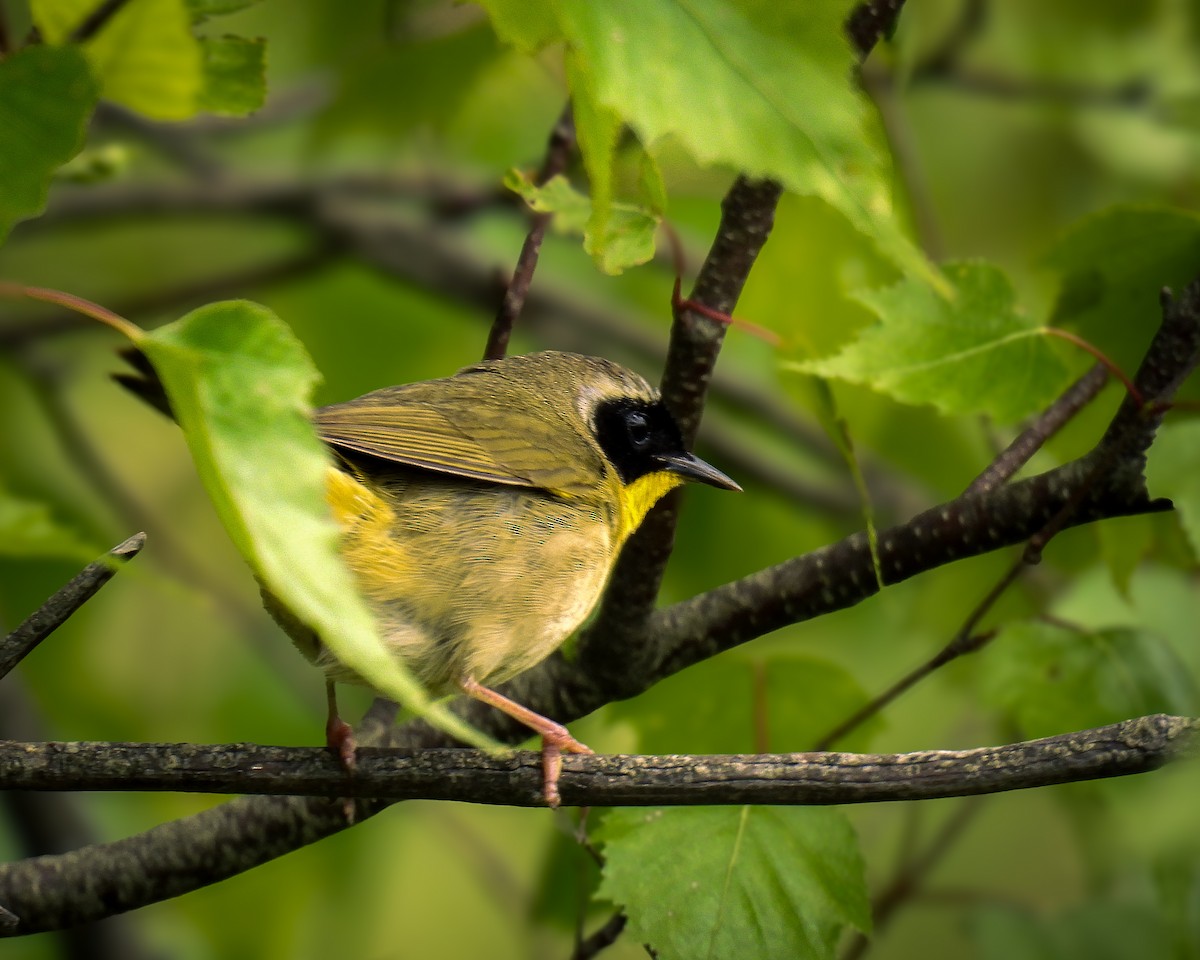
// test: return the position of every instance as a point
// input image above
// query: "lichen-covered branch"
(46, 893)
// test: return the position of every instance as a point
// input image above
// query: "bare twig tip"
(128, 549)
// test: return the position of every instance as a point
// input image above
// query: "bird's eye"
(638, 428)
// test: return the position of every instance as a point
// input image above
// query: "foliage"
(992, 177)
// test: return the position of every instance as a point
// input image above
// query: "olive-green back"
(515, 421)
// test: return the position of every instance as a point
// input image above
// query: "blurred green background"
(407, 116)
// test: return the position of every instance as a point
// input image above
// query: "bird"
(481, 515)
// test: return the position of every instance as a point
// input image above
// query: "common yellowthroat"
(482, 513)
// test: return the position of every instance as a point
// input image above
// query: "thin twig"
(558, 154)
(57, 610)
(602, 938)
(1033, 437)
(961, 644)
(95, 21)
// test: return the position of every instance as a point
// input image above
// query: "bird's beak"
(690, 466)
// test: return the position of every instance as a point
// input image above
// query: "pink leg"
(339, 737)
(555, 737)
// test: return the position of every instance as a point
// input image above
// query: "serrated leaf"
(234, 75)
(239, 382)
(28, 529)
(144, 56)
(761, 88)
(628, 230)
(1051, 680)
(1173, 470)
(528, 25)
(976, 353)
(46, 98)
(735, 882)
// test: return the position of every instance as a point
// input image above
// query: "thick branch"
(50, 892)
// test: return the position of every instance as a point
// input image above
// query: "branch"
(57, 610)
(558, 154)
(48, 892)
(95, 21)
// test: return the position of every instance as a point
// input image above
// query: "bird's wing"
(478, 440)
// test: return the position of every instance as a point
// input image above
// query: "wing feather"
(459, 426)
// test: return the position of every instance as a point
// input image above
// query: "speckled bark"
(51, 892)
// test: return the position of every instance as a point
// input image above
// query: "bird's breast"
(472, 579)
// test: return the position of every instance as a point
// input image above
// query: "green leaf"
(761, 88)
(528, 25)
(1112, 267)
(144, 56)
(975, 353)
(46, 98)
(1051, 680)
(802, 698)
(234, 75)
(29, 529)
(628, 230)
(735, 882)
(1173, 470)
(239, 381)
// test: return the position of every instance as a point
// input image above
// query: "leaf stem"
(77, 304)
(1096, 352)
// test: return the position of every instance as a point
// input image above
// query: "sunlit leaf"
(144, 55)
(628, 230)
(527, 24)
(46, 97)
(976, 353)
(239, 381)
(764, 89)
(735, 882)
